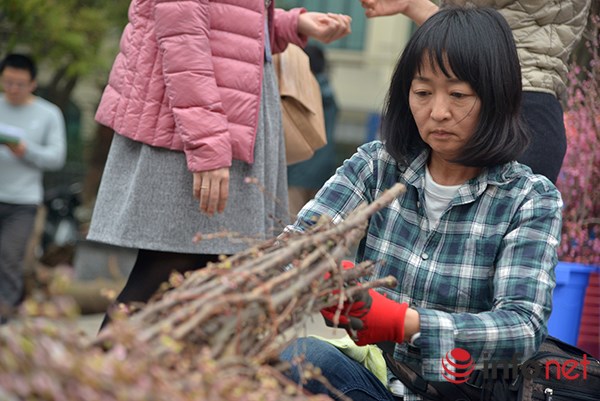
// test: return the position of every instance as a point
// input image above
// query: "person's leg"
(543, 115)
(345, 374)
(150, 270)
(16, 225)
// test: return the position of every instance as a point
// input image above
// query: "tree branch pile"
(212, 335)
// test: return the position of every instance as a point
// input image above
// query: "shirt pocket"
(479, 253)
(477, 269)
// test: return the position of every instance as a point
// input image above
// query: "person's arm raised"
(417, 10)
(324, 27)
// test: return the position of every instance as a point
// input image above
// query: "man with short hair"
(32, 140)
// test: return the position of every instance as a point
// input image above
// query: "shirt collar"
(498, 175)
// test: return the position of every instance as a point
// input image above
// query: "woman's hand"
(379, 8)
(211, 188)
(417, 10)
(324, 27)
(371, 318)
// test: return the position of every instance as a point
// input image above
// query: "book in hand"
(10, 133)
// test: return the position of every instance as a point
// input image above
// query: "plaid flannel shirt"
(482, 279)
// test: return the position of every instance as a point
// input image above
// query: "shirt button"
(418, 204)
(424, 256)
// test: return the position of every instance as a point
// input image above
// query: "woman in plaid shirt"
(473, 239)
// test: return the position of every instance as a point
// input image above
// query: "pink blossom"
(579, 179)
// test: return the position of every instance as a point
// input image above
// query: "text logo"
(458, 365)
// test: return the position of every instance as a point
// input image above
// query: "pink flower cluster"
(579, 180)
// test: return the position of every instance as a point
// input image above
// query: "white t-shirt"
(437, 198)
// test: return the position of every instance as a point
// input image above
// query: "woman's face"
(445, 109)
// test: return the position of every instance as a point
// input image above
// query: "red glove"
(346, 265)
(374, 317)
(344, 321)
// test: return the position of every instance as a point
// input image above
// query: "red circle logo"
(457, 365)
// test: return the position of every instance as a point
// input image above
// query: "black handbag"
(556, 372)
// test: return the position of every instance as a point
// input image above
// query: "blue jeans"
(350, 377)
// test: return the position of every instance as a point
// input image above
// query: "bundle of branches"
(45, 359)
(215, 333)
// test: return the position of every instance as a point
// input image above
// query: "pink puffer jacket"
(188, 76)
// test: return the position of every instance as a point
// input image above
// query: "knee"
(310, 352)
(309, 349)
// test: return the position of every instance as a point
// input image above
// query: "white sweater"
(45, 140)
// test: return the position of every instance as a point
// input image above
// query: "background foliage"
(72, 41)
(65, 36)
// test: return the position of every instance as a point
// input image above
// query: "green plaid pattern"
(482, 279)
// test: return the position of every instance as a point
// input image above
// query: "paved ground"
(90, 324)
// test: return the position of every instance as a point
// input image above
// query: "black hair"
(478, 46)
(21, 62)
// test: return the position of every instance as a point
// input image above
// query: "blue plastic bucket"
(567, 301)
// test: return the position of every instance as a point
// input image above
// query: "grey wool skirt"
(145, 198)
